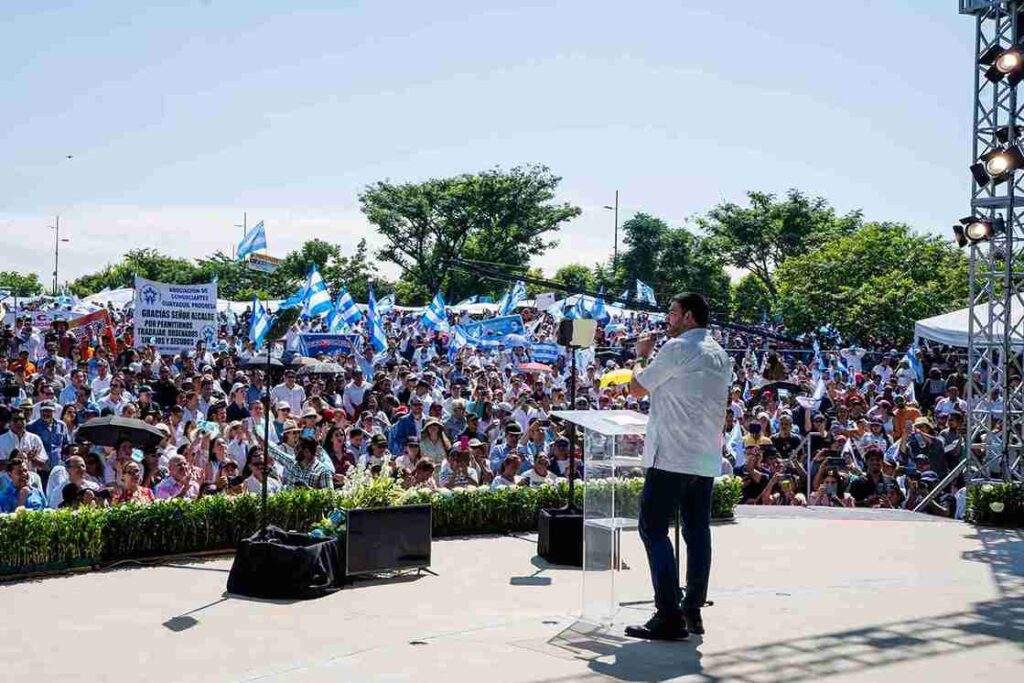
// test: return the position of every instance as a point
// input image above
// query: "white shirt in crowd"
(853, 357)
(295, 396)
(352, 398)
(946, 405)
(28, 444)
(689, 382)
(100, 386)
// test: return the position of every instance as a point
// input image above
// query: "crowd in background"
(841, 425)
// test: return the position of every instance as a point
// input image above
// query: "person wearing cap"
(378, 451)
(147, 407)
(51, 432)
(499, 453)
(924, 441)
(688, 382)
(238, 409)
(457, 470)
(406, 462)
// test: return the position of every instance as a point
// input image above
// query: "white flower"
(445, 493)
(987, 488)
(996, 506)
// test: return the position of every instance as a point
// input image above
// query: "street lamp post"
(615, 247)
(56, 251)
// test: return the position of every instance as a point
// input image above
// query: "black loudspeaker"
(560, 536)
(565, 332)
(284, 565)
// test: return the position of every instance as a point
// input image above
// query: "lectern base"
(560, 537)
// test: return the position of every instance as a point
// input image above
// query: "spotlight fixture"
(1003, 134)
(996, 165)
(972, 230)
(1003, 63)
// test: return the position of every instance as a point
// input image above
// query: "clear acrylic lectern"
(612, 450)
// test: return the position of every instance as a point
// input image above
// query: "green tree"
(315, 252)
(749, 299)
(501, 217)
(643, 237)
(686, 263)
(760, 237)
(20, 284)
(147, 263)
(576, 276)
(877, 281)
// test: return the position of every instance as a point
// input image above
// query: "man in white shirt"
(688, 383)
(352, 397)
(32, 342)
(289, 392)
(951, 402)
(101, 384)
(854, 357)
(28, 444)
(116, 400)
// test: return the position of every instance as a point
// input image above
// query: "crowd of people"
(850, 426)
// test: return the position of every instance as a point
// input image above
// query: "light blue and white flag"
(511, 298)
(434, 316)
(914, 362)
(295, 300)
(599, 311)
(468, 301)
(546, 352)
(316, 298)
(621, 301)
(260, 325)
(459, 339)
(378, 338)
(344, 313)
(386, 304)
(253, 241)
(645, 293)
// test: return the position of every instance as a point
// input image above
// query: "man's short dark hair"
(696, 304)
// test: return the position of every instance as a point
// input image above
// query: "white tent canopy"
(951, 328)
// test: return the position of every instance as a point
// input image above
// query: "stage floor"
(798, 597)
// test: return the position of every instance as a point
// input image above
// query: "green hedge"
(47, 540)
(996, 504)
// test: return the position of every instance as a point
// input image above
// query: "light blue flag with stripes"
(260, 324)
(386, 304)
(511, 299)
(316, 298)
(915, 363)
(645, 293)
(459, 339)
(253, 241)
(546, 352)
(344, 313)
(434, 316)
(378, 339)
(468, 301)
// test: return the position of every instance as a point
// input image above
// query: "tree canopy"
(760, 237)
(877, 280)
(20, 284)
(501, 217)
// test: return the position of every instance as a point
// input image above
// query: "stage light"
(1003, 134)
(958, 235)
(972, 230)
(1003, 63)
(997, 165)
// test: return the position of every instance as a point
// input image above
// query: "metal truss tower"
(995, 396)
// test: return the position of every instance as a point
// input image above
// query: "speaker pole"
(571, 504)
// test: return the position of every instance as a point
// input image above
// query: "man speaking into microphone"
(688, 382)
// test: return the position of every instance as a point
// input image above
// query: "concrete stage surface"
(799, 596)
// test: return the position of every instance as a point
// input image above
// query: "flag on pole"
(344, 313)
(511, 298)
(295, 300)
(253, 241)
(459, 339)
(386, 304)
(260, 324)
(645, 293)
(599, 311)
(316, 298)
(378, 338)
(468, 301)
(621, 302)
(914, 362)
(434, 316)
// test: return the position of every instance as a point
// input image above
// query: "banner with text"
(174, 317)
(312, 344)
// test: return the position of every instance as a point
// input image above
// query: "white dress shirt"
(689, 383)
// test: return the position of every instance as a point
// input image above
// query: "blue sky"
(182, 115)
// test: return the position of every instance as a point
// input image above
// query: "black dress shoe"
(659, 628)
(694, 622)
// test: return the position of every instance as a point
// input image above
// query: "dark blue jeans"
(663, 493)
